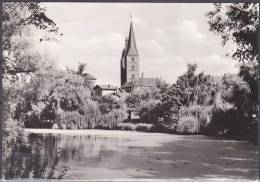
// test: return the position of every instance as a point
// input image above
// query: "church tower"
(129, 59)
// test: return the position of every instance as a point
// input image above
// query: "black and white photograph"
(130, 91)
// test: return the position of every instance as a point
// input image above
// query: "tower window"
(133, 67)
(133, 59)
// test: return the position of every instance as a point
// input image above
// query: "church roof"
(131, 47)
(142, 82)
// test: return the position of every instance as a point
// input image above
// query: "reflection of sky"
(168, 36)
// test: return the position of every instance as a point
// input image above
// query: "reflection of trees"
(77, 148)
(30, 162)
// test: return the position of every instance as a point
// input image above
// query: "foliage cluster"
(20, 61)
(238, 23)
(198, 92)
(136, 127)
(193, 119)
(157, 106)
(64, 99)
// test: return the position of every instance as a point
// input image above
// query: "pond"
(104, 154)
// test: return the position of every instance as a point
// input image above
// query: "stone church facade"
(130, 67)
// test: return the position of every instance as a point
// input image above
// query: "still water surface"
(101, 154)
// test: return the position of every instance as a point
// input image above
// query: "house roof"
(105, 87)
(142, 82)
(89, 76)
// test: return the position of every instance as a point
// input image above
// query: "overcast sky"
(168, 36)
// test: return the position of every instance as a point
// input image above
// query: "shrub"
(91, 112)
(195, 113)
(143, 127)
(112, 119)
(135, 127)
(70, 120)
(231, 123)
(107, 103)
(188, 124)
(126, 126)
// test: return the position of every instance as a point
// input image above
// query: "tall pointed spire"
(129, 59)
(131, 48)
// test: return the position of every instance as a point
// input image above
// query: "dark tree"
(238, 23)
(17, 19)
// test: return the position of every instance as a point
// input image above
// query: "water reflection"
(79, 149)
(53, 155)
(111, 155)
(31, 162)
